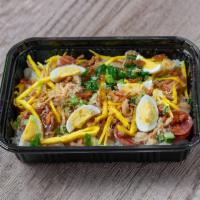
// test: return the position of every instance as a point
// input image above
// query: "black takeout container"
(42, 48)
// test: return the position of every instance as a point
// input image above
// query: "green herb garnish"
(61, 130)
(131, 57)
(130, 65)
(132, 100)
(166, 110)
(87, 140)
(91, 85)
(189, 101)
(85, 73)
(35, 142)
(73, 101)
(160, 138)
(15, 124)
(101, 69)
(167, 137)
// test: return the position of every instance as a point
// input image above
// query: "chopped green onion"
(169, 137)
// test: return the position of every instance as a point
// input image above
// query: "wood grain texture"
(159, 181)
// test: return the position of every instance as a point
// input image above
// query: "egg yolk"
(149, 64)
(81, 117)
(147, 113)
(133, 88)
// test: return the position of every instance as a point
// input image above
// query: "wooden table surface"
(160, 181)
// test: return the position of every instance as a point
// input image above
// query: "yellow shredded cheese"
(133, 128)
(32, 87)
(110, 103)
(53, 61)
(123, 129)
(55, 112)
(93, 130)
(174, 78)
(113, 59)
(170, 103)
(174, 94)
(183, 69)
(29, 108)
(33, 65)
(186, 93)
(105, 130)
(104, 112)
(100, 56)
(80, 61)
(120, 117)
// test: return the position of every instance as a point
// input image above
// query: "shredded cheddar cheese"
(93, 130)
(119, 116)
(55, 112)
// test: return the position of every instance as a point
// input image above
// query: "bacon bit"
(64, 60)
(68, 79)
(24, 81)
(90, 72)
(149, 92)
(84, 95)
(117, 96)
(126, 109)
(139, 63)
(134, 80)
(49, 134)
(159, 57)
(48, 118)
(27, 115)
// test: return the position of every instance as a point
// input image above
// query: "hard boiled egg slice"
(66, 70)
(148, 84)
(33, 127)
(131, 88)
(150, 66)
(146, 114)
(80, 116)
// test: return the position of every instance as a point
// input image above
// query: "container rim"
(139, 148)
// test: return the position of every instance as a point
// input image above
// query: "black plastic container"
(42, 48)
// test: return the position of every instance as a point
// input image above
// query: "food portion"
(122, 100)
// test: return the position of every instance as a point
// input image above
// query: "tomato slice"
(123, 139)
(181, 124)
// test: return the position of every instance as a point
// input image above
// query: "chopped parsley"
(91, 85)
(35, 142)
(166, 110)
(167, 137)
(15, 124)
(131, 57)
(61, 130)
(85, 73)
(73, 101)
(189, 101)
(132, 100)
(87, 140)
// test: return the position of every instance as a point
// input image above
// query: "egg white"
(55, 73)
(146, 127)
